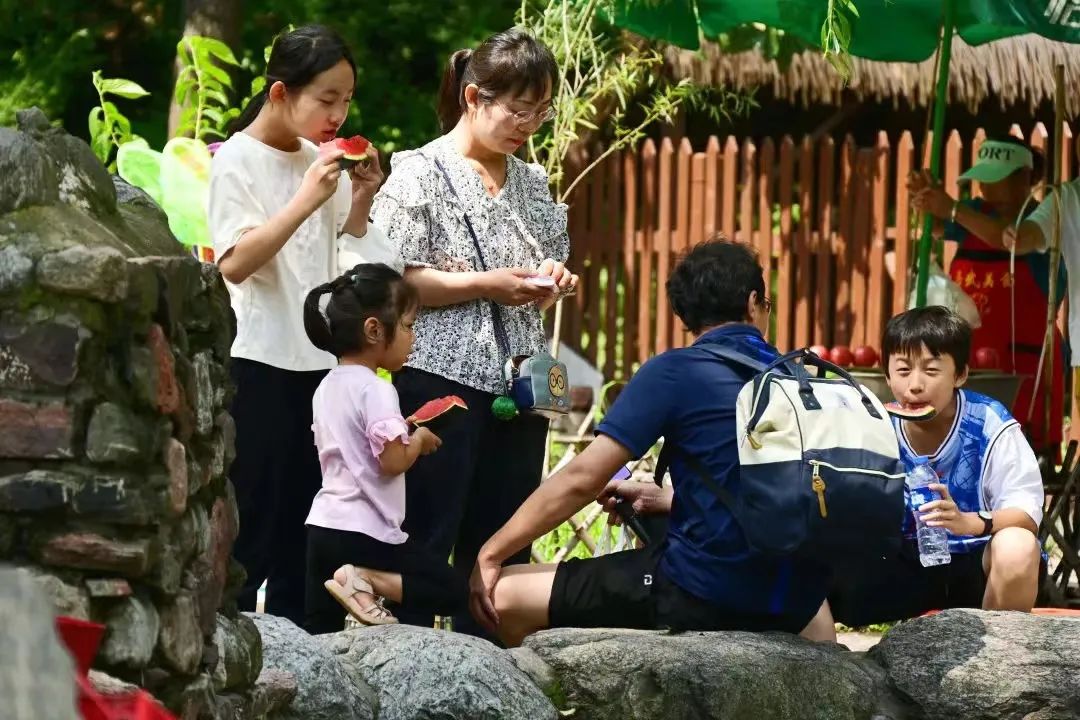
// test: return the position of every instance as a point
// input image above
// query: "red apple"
(986, 358)
(865, 356)
(821, 351)
(841, 355)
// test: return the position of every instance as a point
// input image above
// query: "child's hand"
(367, 178)
(429, 441)
(944, 513)
(321, 179)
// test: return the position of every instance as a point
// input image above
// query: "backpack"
(819, 463)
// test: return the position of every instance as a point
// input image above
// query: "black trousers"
(428, 583)
(457, 497)
(276, 475)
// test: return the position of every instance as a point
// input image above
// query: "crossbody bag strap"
(501, 335)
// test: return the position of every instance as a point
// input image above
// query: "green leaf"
(96, 123)
(182, 91)
(257, 85)
(214, 47)
(217, 96)
(124, 126)
(218, 74)
(123, 88)
(214, 115)
(102, 147)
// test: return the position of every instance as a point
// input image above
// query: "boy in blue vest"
(991, 488)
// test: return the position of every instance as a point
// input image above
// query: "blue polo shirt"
(688, 397)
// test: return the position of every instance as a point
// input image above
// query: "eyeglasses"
(526, 117)
(766, 302)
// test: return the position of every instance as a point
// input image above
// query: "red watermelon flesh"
(918, 414)
(435, 413)
(355, 149)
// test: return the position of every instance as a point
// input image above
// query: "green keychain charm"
(504, 408)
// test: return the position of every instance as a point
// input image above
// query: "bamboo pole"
(941, 100)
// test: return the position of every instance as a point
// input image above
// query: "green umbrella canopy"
(888, 30)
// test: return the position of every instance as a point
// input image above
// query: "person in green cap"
(1006, 170)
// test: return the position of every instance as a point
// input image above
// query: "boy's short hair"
(942, 331)
(712, 283)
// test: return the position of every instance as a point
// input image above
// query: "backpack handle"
(815, 360)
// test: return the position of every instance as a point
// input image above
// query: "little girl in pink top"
(365, 447)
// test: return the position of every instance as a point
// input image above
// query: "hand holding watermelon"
(429, 441)
(320, 182)
(437, 414)
(353, 151)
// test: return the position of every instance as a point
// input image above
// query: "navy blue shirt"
(688, 397)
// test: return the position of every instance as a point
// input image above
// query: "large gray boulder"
(425, 674)
(37, 676)
(325, 691)
(975, 665)
(629, 674)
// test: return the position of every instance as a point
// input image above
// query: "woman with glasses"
(485, 244)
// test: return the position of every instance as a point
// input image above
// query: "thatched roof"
(1015, 71)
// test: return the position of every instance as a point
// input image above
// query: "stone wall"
(114, 435)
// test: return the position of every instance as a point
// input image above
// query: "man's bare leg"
(822, 627)
(522, 596)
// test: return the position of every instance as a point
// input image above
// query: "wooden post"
(646, 305)
(765, 206)
(905, 157)
(785, 271)
(663, 247)
(630, 280)
(823, 247)
(803, 280)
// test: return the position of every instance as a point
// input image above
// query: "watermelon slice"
(436, 414)
(355, 148)
(914, 414)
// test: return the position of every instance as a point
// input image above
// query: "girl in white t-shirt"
(278, 209)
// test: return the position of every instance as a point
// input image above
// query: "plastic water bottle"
(933, 541)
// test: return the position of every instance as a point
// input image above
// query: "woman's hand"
(510, 286)
(482, 592)
(945, 514)
(320, 180)
(565, 281)
(928, 197)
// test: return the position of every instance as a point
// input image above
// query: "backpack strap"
(663, 461)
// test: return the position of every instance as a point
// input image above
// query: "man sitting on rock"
(702, 576)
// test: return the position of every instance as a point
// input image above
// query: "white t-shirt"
(1046, 218)
(249, 183)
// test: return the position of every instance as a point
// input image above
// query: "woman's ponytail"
(451, 99)
(316, 325)
(249, 113)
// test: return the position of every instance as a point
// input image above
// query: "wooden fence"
(824, 215)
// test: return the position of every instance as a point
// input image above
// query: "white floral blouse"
(519, 227)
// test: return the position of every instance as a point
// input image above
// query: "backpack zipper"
(817, 482)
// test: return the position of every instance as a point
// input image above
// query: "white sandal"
(374, 614)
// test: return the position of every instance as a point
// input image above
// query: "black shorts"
(899, 588)
(627, 590)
